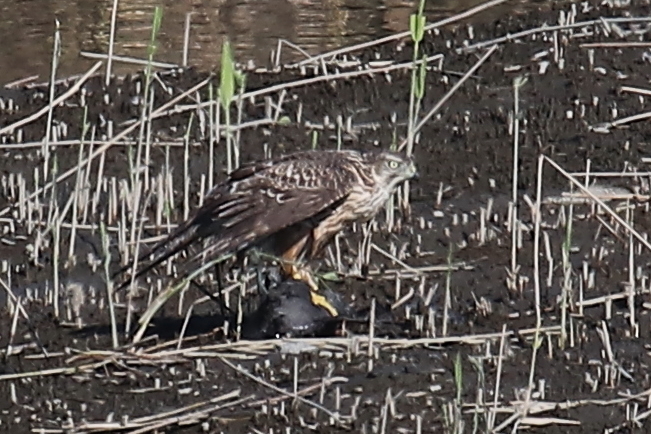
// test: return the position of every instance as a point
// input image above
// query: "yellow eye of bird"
(393, 164)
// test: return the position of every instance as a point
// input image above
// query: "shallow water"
(254, 26)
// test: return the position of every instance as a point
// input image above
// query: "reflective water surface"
(254, 27)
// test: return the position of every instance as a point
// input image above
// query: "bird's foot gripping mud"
(304, 274)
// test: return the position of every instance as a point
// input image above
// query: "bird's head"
(392, 169)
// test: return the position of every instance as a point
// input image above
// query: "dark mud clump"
(467, 336)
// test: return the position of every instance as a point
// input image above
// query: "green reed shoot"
(417, 90)
(153, 45)
(418, 72)
(458, 376)
(230, 77)
(315, 139)
(454, 410)
(478, 364)
(151, 51)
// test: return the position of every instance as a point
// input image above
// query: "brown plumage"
(290, 206)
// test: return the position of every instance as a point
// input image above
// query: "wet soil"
(430, 368)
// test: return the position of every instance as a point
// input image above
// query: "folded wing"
(258, 200)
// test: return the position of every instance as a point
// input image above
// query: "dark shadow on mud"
(164, 327)
(284, 309)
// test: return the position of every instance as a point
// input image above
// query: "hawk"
(289, 207)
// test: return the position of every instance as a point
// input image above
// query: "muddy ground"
(429, 369)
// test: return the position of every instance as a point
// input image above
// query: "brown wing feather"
(186, 233)
(258, 200)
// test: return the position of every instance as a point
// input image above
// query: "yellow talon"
(319, 300)
(302, 274)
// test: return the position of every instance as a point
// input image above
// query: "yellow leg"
(304, 275)
(319, 300)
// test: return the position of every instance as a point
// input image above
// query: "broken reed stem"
(56, 52)
(371, 336)
(73, 89)
(129, 60)
(226, 349)
(299, 83)
(186, 170)
(109, 283)
(523, 408)
(517, 83)
(600, 202)
(172, 288)
(21, 82)
(518, 35)
(295, 385)
(279, 47)
(277, 389)
(53, 195)
(102, 149)
(567, 276)
(213, 130)
(54, 371)
(134, 265)
(137, 162)
(109, 61)
(449, 94)
(239, 102)
(56, 253)
(631, 273)
(87, 182)
(458, 17)
(240, 311)
(135, 193)
(447, 304)
(14, 325)
(532, 372)
(186, 321)
(148, 142)
(536, 243)
(393, 258)
(79, 188)
(145, 123)
(536, 277)
(12, 298)
(498, 377)
(55, 227)
(186, 38)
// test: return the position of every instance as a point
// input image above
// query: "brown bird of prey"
(289, 207)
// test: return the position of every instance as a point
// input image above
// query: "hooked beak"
(414, 172)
